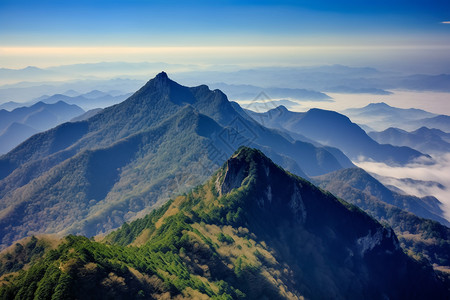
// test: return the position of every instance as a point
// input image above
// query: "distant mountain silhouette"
(91, 100)
(336, 130)
(426, 207)
(251, 92)
(349, 90)
(20, 123)
(441, 122)
(381, 116)
(10, 105)
(423, 139)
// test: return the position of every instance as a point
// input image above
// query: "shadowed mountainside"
(91, 176)
(252, 231)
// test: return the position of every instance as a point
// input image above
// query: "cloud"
(439, 172)
(446, 22)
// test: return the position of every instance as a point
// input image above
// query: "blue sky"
(139, 23)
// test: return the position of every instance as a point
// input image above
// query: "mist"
(438, 172)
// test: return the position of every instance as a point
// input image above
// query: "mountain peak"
(162, 76)
(379, 104)
(282, 108)
(161, 80)
(239, 166)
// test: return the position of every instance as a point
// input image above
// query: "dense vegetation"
(23, 253)
(252, 231)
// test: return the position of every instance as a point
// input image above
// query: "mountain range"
(426, 207)
(333, 129)
(251, 92)
(92, 100)
(90, 176)
(20, 123)
(104, 76)
(380, 116)
(251, 231)
(433, 141)
(420, 237)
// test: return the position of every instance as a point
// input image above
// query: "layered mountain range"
(254, 228)
(91, 176)
(251, 231)
(21, 123)
(380, 116)
(433, 141)
(333, 129)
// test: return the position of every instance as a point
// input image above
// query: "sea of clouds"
(438, 172)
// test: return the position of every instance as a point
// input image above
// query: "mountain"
(88, 101)
(423, 139)
(87, 115)
(333, 129)
(14, 135)
(441, 122)
(90, 176)
(422, 82)
(25, 74)
(41, 115)
(10, 105)
(251, 92)
(71, 93)
(251, 231)
(29, 91)
(95, 94)
(425, 207)
(420, 237)
(381, 116)
(19, 124)
(351, 90)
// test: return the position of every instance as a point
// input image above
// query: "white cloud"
(438, 172)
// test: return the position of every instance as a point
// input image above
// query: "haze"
(408, 36)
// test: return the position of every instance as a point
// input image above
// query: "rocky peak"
(161, 76)
(237, 168)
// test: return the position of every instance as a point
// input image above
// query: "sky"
(409, 35)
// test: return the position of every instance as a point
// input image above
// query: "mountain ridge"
(336, 130)
(231, 238)
(163, 160)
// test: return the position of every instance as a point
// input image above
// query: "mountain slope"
(426, 207)
(423, 139)
(91, 176)
(421, 237)
(252, 231)
(13, 135)
(336, 130)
